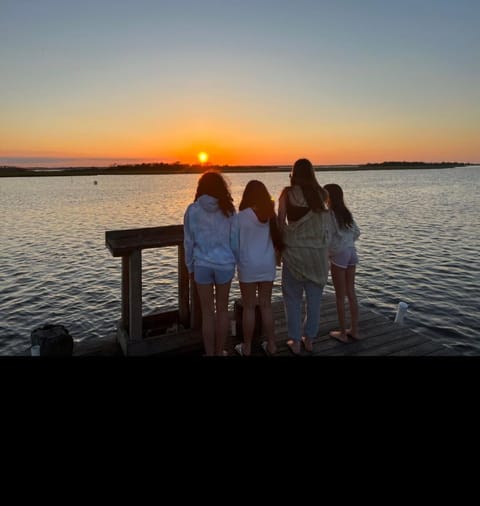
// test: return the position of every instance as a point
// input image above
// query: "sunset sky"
(246, 81)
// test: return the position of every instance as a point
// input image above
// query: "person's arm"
(333, 223)
(356, 230)
(333, 235)
(282, 210)
(188, 240)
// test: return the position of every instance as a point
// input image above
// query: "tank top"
(294, 213)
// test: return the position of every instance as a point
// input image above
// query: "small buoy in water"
(401, 312)
(95, 182)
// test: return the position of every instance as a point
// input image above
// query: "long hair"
(303, 175)
(337, 205)
(212, 183)
(256, 196)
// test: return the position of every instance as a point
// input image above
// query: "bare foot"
(294, 346)
(354, 336)
(339, 336)
(307, 343)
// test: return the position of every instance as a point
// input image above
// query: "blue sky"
(249, 81)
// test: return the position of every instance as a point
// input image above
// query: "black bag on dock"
(238, 311)
(54, 340)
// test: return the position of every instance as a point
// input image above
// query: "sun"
(202, 157)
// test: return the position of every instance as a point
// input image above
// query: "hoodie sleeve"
(333, 224)
(188, 240)
(331, 227)
(356, 231)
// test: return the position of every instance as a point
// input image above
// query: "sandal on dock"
(239, 349)
(266, 350)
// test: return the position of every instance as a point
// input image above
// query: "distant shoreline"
(163, 168)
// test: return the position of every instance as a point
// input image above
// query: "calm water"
(419, 243)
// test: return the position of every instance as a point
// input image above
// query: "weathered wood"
(159, 323)
(195, 308)
(371, 342)
(135, 295)
(380, 338)
(123, 242)
(125, 292)
(128, 244)
(106, 347)
(183, 289)
(420, 349)
(399, 342)
(169, 343)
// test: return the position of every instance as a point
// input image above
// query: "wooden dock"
(177, 332)
(380, 337)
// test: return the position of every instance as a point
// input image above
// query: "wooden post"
(135, 294)
(129, 244)
(125, 293)
(183, 289)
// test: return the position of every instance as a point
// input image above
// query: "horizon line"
(63, 162)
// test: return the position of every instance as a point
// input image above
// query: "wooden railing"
(128, 244)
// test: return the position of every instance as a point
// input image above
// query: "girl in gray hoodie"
(210, 248)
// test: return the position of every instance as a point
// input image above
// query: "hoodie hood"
(208, 203)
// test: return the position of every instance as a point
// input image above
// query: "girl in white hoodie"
(209, 254)
(259, 242)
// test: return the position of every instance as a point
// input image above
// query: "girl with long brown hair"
(209, 254)
(259, 241)
(343, 261)
(305, 223)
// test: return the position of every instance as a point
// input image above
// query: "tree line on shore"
(181, 168)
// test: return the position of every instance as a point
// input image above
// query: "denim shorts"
(343, 259)
(209, 275)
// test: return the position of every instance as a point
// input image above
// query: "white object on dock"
(401, 312)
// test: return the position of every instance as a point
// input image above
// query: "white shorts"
(346, 258)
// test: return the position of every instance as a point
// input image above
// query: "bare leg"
(221, 323)
(249, 300)
(339, 282)
(265, 302)
(352, 301)
(205, 294)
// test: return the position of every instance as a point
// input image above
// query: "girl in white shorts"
(343, 261)
(259, 242)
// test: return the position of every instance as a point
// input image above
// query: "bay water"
(419, 244)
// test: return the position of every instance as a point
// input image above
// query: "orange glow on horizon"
(242, 146)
